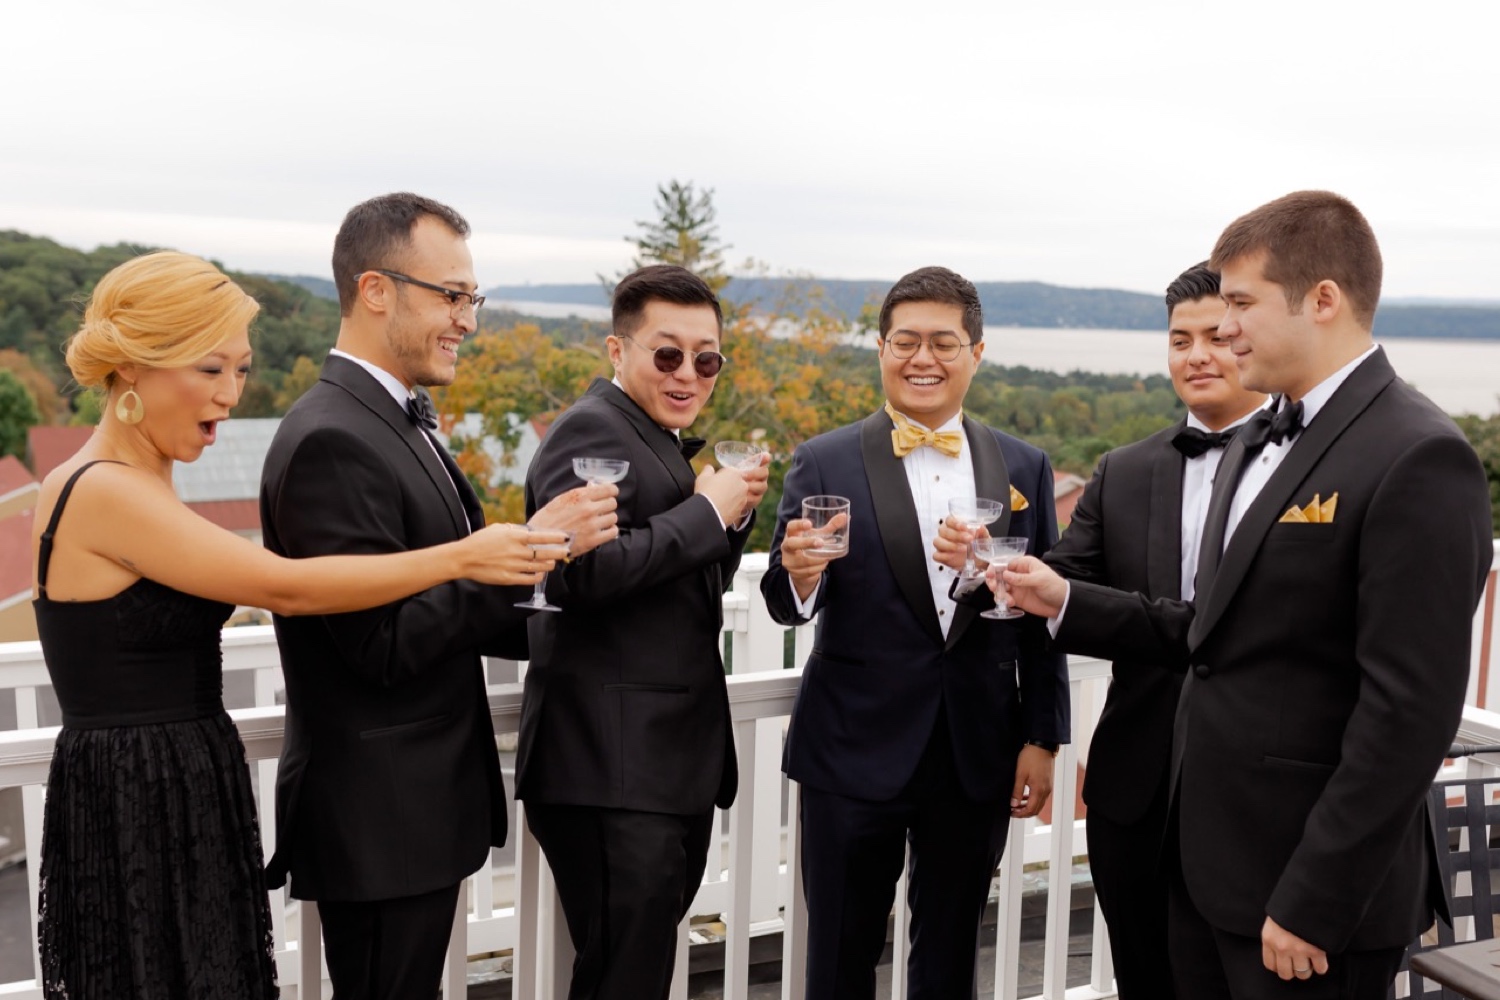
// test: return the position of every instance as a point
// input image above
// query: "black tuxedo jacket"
(1328, 664)
(389, 783)
(625, 704)
(881, 667)
(1126, 533)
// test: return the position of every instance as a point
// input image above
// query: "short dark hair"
(666, 282)
(936, 284)
(1308, 237)
(1198, 282)
(374, 234)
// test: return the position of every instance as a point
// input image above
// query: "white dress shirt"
(934, 479)
(1197, 488)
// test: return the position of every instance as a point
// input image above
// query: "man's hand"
(804, 566)
(756, 481)
(951, 546)
(1033, 782)
(1287, 955)
(1032, 586)
(587, 511)
(727, 490)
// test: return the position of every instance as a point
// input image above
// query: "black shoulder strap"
(44, 556)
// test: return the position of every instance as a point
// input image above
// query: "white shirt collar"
(1318, 396)
(392, 384)
(1193, 421)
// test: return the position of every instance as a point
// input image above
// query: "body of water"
(1461, 376)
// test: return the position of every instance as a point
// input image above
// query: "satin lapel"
(896, 516)
(362, 386)
(661, 442)
(1346, 404)
(992, 480)
(1164, 523)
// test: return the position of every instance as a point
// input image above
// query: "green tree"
(18, 414)
(685, 232)
(302, 377)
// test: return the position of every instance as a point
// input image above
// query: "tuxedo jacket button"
(1202, 671)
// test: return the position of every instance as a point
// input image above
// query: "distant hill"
(321, 287)
(1034, 304)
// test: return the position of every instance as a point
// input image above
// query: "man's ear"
(1327, 300)
(614, 346)
(374, 292)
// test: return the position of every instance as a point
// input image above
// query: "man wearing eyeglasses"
(389, 791)
(626, 745)
(917, 722)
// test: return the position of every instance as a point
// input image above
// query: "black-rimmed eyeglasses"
(706, 364)
(945, 347)
(459, 301)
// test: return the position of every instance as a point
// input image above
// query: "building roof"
(230, 470)
(1064, 483)
(51, 446)
(14, 476)
(15, 555)
(236, 515)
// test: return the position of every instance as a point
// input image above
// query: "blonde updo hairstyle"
(159, 310)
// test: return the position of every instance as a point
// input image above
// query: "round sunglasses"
(706, 364)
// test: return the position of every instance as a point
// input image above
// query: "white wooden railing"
(755, 886)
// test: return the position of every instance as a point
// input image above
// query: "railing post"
(794, 913)
(33, 806)
(762, 651)
(1008, 912)
(741, 887)
(1060, 874)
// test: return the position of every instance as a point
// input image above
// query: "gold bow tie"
(906, 437)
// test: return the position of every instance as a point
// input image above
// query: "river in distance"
(1461, 376)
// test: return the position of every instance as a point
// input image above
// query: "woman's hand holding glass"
(588, 512)
(509, 555)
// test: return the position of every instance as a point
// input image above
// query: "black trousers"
(625, 880)
(1212, 964)
(1131, 884)
(852, 853)
(388, 949)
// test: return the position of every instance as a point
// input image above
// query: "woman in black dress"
(151, 859)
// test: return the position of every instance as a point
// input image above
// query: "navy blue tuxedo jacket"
(881, 667)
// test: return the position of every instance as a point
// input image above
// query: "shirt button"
(942, 611)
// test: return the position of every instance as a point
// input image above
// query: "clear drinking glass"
(538, 600)
(830, 518)
(600, 470)
(740, 455)
(974, 513)
(999, 552)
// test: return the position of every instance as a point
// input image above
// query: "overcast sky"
(1096, 143)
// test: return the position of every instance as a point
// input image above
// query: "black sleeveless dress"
(151, 881)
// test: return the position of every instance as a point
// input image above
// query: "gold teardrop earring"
(130, 408)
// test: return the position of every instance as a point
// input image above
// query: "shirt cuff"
(1053, 624)
(805, 608)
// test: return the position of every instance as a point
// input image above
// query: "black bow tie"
(1192, 442)
(1265, 427)
(419, 408)
(690, 446)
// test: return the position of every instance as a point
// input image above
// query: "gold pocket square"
(1313, 513)
(1017, 501)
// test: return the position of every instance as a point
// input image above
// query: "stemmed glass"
(974, 513)
(999, 552)
(600, 470)
(538, 600)
(741, 455)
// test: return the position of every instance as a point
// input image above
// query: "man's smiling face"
(922, 387)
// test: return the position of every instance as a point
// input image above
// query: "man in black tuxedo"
(1327, 650)
(389, 791)
(626, 745)
(915, 718)
(1137, 528)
